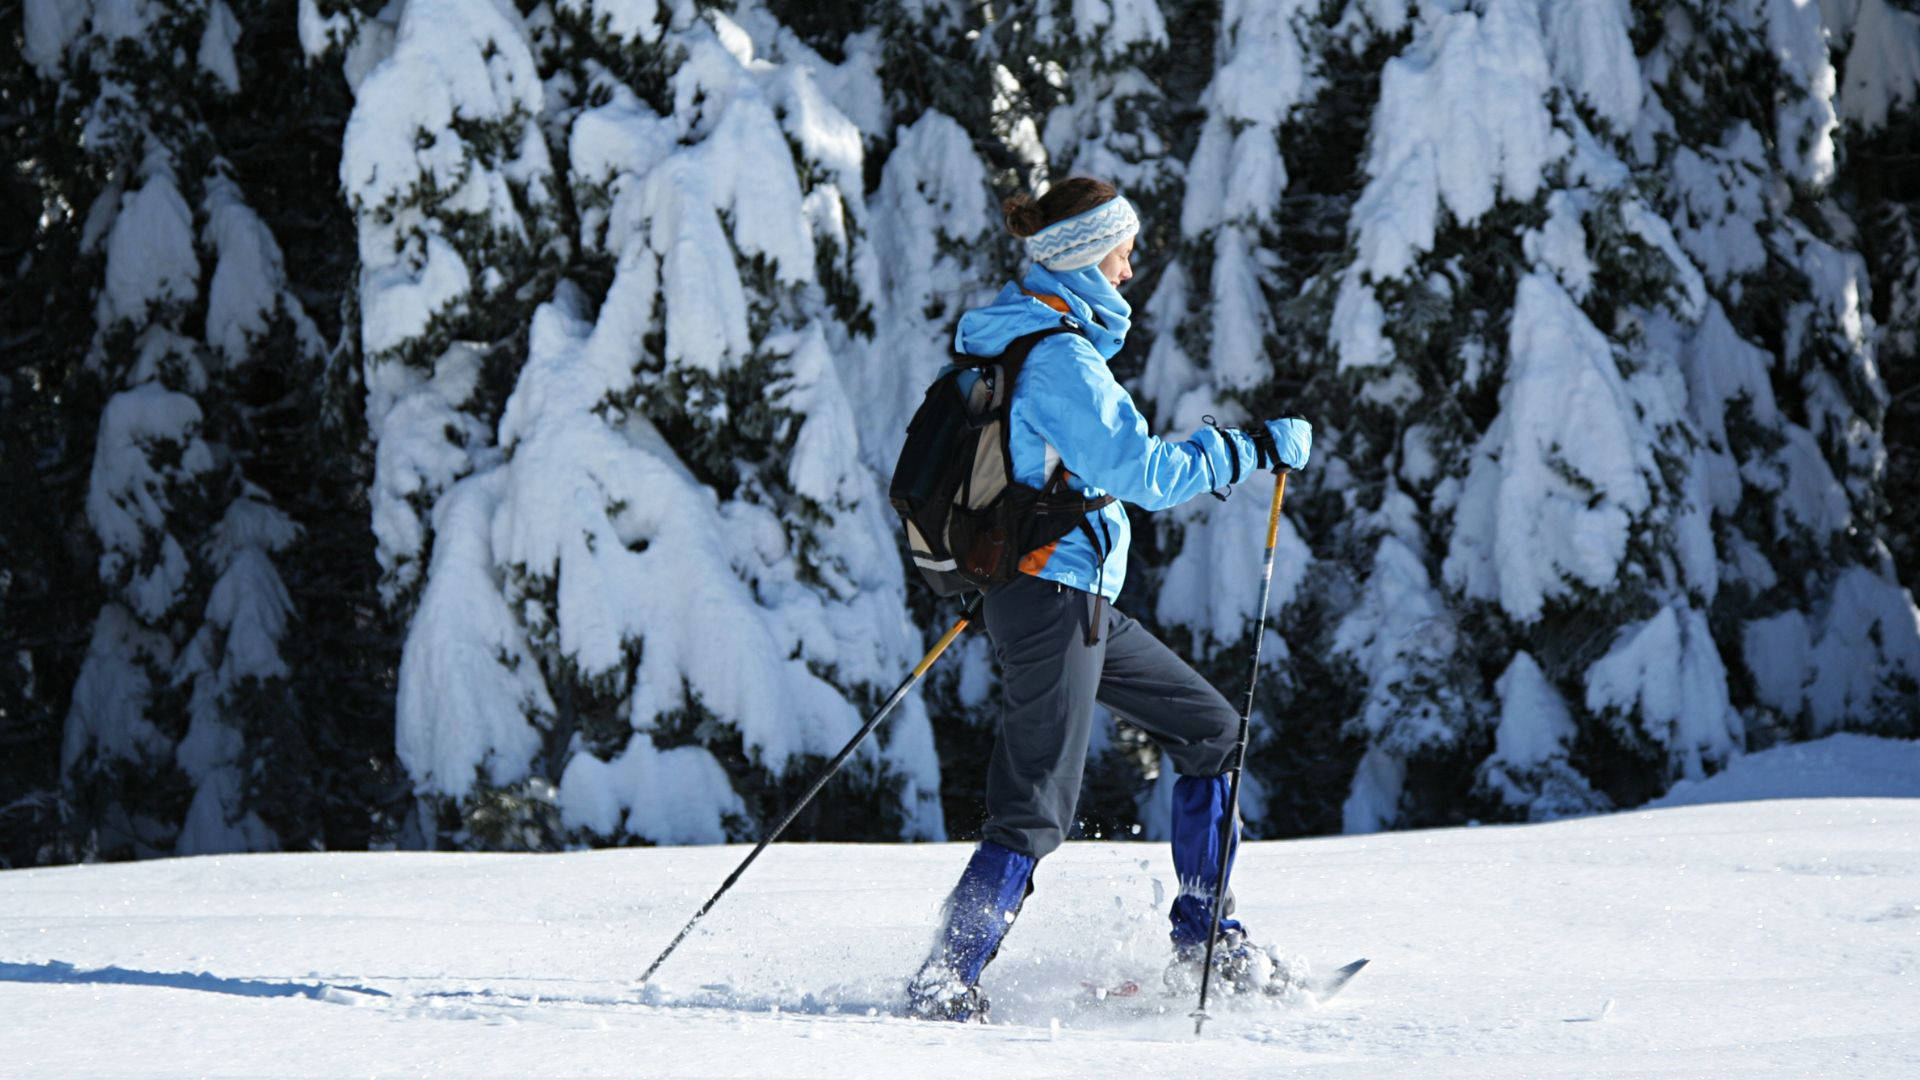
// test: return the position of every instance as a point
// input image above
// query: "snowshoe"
(1239, 967)
(937, 993)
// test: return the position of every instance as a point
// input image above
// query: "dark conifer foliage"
(50, 405)
(308, 418)
(318, 764)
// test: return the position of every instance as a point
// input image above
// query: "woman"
(1061, 644)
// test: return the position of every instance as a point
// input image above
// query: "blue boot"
(983, 905)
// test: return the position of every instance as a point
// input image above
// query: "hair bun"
(1027, 215)
(1023, 215)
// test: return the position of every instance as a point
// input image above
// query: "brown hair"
(1075, 195)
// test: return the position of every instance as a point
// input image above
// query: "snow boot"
(983, 905)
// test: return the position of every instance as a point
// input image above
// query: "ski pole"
(820, 781)
(1240, 751)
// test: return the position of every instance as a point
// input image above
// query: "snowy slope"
(1766, 938)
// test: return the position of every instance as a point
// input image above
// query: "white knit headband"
(1085, 238)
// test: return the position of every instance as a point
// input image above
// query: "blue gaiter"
(984, 903)
(1199, 809)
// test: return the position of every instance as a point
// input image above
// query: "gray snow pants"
(1051, 678)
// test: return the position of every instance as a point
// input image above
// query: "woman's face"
(1118, 265)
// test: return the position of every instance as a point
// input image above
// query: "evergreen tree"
(307, 443)
(1876, 51)
(1812, 621)
(183, 695)
(1605, 313)
(640, 607)
(446, 171)
(739, 315)
(1528, 397)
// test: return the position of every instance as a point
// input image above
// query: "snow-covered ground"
(1761, 938)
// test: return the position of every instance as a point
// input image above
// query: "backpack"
(968, 521)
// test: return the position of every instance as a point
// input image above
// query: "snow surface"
(1757, 939)
(1838, 765)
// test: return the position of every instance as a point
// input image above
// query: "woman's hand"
(1283, 444)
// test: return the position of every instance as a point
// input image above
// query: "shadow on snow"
(55, 971)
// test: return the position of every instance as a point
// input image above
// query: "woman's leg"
(1049, 678)
(1154, 689)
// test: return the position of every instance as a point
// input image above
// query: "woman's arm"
(1073, 401)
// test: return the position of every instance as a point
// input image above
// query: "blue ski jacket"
(1068, 409)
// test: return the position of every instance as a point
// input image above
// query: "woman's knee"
(1211, 755)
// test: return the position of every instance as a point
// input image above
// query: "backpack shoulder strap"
(1016, 351)
(1011, 359)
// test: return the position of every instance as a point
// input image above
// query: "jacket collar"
(1019, 309)
(1104, 313)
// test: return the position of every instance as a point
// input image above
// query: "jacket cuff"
(1222, 450)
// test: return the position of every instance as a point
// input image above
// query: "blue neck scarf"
(1095, 301)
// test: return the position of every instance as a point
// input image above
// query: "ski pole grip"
(1273, 517)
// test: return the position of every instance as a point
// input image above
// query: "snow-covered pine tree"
(657, 587)
(1525, 482)
(305, 440)
(447, 173)
(448, 176)
(1478, 514)
(1813, 622)
(760, 571)
(183, 685)
(1876, 56)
